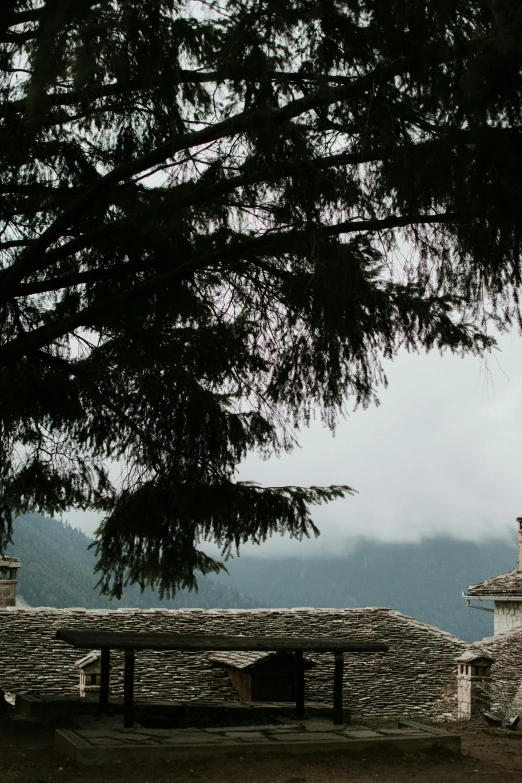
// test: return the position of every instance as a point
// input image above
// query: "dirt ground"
(27, 755)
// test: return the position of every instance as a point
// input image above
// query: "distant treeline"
(424, 580)
(58, 570)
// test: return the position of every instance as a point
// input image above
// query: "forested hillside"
(57, 570)
(424, 580)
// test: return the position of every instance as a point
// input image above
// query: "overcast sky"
(441, 454)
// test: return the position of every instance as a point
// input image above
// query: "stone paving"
(109, 741)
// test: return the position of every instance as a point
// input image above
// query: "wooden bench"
(136, 641)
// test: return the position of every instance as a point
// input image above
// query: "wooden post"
(128, 690)
(299, 685)
(338, 687)
(105, 679)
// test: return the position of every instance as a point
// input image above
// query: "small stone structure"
(8, 581)
(506, 593)
(474, 676)
(90, 673)
(418, 676)
(506, 671)
(261, 677)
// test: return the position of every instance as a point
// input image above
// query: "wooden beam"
(299, 685)
(99, 640)
(105, 679)
(338, 687)
(128, 690)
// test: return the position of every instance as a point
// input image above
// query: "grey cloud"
(440, 455)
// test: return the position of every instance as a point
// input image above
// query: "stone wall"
(7, 592)
(474, 697)
(416, 677)
(508, 615)
(506, 672)
(464, 695)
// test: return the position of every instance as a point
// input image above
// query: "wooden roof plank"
(97, 640)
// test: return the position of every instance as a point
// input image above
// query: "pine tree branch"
(74, 97)
(22, 17)
(17, 38)
(40, 188)
(233, 126)
(88, 382)
(193, 193)
(15, 243)
(81, 278)
(185, 195)
(267, 244)
(121, 271)
(383, 224)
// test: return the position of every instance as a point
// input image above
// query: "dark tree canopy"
(217, 217)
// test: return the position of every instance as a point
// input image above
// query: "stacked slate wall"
(7, 592)
(506, 671)
(508, 616)
(416, 677)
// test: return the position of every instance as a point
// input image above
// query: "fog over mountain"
(58, 570)
(424, 580)
(441, 455)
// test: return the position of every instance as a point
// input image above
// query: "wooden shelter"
(261, 677)
(132, 641)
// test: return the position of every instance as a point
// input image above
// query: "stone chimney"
(473, 682)
(8, 581)
(519, 526)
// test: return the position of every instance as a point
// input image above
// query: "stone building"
(425, 673)
(8, 581)
(505, 650)
(416, 677)
(474, 679)
(505, 591)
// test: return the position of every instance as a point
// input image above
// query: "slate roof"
(505, 584)
(239, 660)
(470, 655)
(414, 677)
(91, 657)
(246, 660)
(9, 562)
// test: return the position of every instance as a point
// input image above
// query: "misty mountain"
(58, 570)
(424, 580)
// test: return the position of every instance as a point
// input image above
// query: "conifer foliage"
(217, 217)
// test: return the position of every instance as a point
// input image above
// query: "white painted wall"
(508, 615)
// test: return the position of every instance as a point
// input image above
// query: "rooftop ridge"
(509, 583)
(348, 611)
(433, 628)
(194, 610)
(498, 638)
